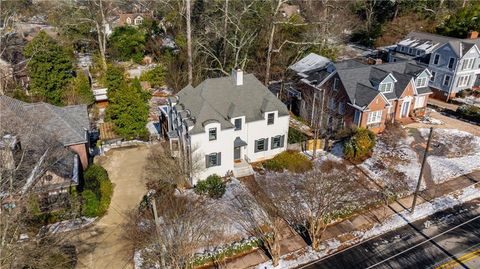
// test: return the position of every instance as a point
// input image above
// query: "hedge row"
(98, 191)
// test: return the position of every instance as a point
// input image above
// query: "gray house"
(454, 63)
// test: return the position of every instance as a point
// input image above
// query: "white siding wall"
(250, 132)
(202, 146)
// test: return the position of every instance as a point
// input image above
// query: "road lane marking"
(464, 258)
(421, 243)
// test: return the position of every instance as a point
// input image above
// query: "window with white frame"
(238, 124)
(451, 61)
(421, 82)
(432, 78)
(410, 50)
(270, 118)
(212, 134)
(436, 59)
(419, 101)
(374, 117)
(138, 20)
(386, 87)
(446, 80)
(463, 81)
(468, 63)
(129, 21)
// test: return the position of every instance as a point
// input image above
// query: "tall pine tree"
(128, 110)
(50, 68)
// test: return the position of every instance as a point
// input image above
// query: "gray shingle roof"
(358, 79)
(219, 99)
(66, 124)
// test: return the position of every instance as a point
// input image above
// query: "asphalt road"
(446, 236)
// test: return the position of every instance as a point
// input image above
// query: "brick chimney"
(472, 35)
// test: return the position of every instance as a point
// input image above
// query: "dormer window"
(138, 20)
(238, 124)
(212, 134)
(421, 82)
(386, 87)
(270, 118)
(129, 21)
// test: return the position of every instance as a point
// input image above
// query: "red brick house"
(356, 94)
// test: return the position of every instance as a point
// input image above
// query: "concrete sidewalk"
(343, 230)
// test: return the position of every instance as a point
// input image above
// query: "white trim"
(445, 78)
(464, 80)
(375, 116)
(467, 64)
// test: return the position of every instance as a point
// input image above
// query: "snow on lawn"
(68, 225)
(306, 255)
(453, 153)
(393, 168)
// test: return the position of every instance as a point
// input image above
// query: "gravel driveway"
(102, 245)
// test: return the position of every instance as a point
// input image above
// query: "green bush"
(97, 182)
(295, 136)
(90, 204)
(156, 76)
(469, 111)
(359, 145)
(213, 186)
(290, 160)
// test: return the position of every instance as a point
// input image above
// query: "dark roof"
(68, 124)
(360, 80)
(219, 99)
(364, 95)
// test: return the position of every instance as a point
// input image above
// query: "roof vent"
(237, 75)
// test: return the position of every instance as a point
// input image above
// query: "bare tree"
(27, 155)
(188, 18)
(260, 218)
(163, 170)
(311, 201)
(179, 230)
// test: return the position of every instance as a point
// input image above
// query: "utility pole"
(417, 189)
(157, 225)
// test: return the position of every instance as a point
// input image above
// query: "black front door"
(236, 153)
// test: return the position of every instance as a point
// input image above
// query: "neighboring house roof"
(68, 124)
(123, 17)
(430, 42)
(360, 80)
(310, 62)
(219, 100)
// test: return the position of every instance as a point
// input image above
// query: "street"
(447, 239)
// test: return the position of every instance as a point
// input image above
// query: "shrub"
(359, 145)
(295, 136)
(290, 160)
(213, 186)
(90, 204)
(97, 182)
(469, 112)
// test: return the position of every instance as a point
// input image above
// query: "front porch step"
(243, 171)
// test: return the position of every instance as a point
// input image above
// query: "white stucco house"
(223, 124)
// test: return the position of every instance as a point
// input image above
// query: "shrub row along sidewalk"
(361, 227)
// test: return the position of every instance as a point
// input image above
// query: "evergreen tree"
(465, 20)
(127, 43)
(128, 110)
(79, 91)
(50, 68)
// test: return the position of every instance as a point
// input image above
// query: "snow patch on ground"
(459, 153)
(303, 256)
(68, 225)
(384, 161)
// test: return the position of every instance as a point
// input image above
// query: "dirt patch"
(102, 245)
(448, 123)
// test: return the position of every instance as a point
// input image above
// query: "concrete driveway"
(102, 245)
